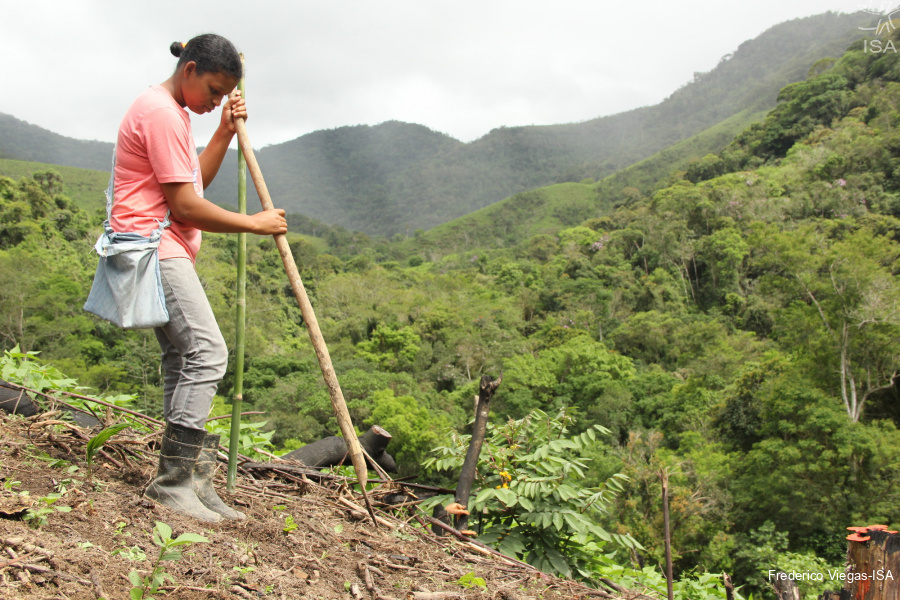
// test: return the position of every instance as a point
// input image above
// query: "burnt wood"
(332, 451)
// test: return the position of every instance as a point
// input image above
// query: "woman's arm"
(190, 209)
(212, 156)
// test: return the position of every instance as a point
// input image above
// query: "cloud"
(462, 68)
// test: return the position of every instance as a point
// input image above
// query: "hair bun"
(176, 48)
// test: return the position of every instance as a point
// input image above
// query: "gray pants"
(194, 354)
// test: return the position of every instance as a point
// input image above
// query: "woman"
(158, 174)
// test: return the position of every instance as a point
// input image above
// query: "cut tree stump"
(332, 451)
(470, 464)
(873, 566)
(785, 588)
(14, 401)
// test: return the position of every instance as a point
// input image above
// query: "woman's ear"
(190, 68)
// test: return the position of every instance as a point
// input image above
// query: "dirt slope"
(334, 552)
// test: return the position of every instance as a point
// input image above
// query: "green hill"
(398, 177)
(546, 210)
(85, 187)
(23, 141)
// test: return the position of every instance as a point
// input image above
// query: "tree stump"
(785, 588)
(873, 560)
(332, 451)
(470, 465)
(14, 401)
(873, 566)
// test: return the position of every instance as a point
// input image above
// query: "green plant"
(134, 554)
(96, 442)
(251, 438)
(289, 524)
(54, 463)
(63, 486)
(38, 517)
(21, 368)
(469, 580)
(242, 572)
(531, 503)
(120, 528)
(703, 586)
(168, 550)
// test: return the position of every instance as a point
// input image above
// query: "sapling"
(38, 517)
(98, 440)
(168, 550)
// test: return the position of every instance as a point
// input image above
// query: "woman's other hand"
(235, 107)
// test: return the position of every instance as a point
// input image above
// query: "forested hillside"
(737, 328)
(398, 177)
(450, 180)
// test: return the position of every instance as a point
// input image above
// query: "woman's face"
(203, 93)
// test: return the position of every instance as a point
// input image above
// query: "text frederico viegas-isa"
(833, 575)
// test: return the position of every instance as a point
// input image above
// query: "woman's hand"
(269, 222)
(233, 108)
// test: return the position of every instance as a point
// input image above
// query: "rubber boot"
(204, 471)
(173, 485)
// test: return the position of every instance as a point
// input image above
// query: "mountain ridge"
(397, 177)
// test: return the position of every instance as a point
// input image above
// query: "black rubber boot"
(173, 485)
(204, 471)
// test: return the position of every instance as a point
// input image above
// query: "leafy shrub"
(531, 503)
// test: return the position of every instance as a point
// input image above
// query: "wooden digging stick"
(309, 317)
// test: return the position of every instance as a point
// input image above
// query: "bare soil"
(334, 552)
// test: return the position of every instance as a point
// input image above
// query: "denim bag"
(127, 289)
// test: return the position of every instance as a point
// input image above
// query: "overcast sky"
(462, 67)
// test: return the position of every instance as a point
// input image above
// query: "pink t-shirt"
(155, 146)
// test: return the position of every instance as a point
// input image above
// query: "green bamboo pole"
(240, 318)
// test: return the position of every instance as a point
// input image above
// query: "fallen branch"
(16, 560)
(242, 592)
(243, 414)
(52, 573)
(98, 584)
(18, 542)
(365, 575)
(483, 546)
(359, 508)
(135, 414)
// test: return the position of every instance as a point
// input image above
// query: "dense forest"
(735, 326)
